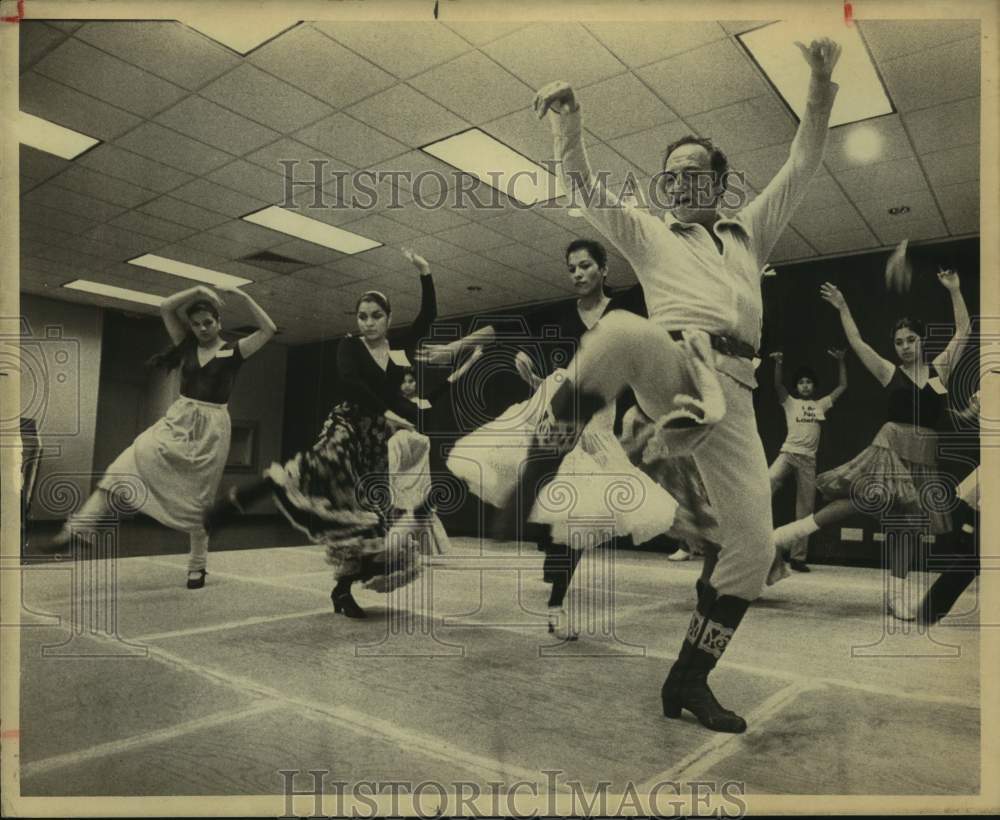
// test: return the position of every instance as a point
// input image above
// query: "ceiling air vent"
(274, 262)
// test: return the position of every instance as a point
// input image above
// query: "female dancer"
(181, 458)
(338, 491)
(679, 385)
(902, 459)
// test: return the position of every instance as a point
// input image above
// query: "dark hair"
(910, 324)
(172, 357)
(375, 296)
(805, 372)
(597, 252)
(719, 161)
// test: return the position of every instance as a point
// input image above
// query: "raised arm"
(949, 357)
(838, 391)
(768, 215)
(266, 328)
(880, 368)
(779, 376)
(448, 353)
(172, 307)
(410, 338)
(625, 227)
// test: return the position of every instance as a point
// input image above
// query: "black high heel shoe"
(343, 602)
(197, 582)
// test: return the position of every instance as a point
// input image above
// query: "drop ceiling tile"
(951, 166)
(69, 26)
(174, 149)
(408, 116)
(791, 246)
(428, 221)
(525, 224)
(383, 230)
(36, 40)
(133, 243)
(313, 62)
(212, 124)
(251, 180)
(402, 48)
(265, 99)
(474, 237)
(349, 140)
(823, 192)
(339, 215)
(842, 242)
(741, 26)
(64, 106)
(640, 43)
(216, 198)
(423, 176)
(518, 257)
(760, 165)
(434, 250)
(622, 105)
(167, 49)
(93, 72)
(74, 260)
(525, 133)
(960, 206)
(39, 165)
(326, 277)
(387, 257)
(38, 214)
(746, 125)
(94, 248)
(646, 149)
(914, 229)
(937, 75)
(307, 252)
(458, 85)
(117, 162)
(480, 33)
(183, 213)
(219, 246)
(33, 232)
(544, 52)
(889, 39)
(887, 133)
(875, 210)
(103, 187)
(358, 268)
(147, 225)
(311, 165)
(605, 160)
(899, 176)
(246, 233)
(814, 223)
(944, 126)
(709, 77)
(53, 196)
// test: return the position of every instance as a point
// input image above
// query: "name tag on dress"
(937, 386)
(225, 354)
(398, 357)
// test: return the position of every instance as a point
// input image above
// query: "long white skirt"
(171, 472)
(596, 485)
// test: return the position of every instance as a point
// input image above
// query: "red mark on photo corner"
(10, 734)
(18, 17)
(848, 14)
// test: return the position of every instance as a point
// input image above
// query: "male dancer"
(701, 270)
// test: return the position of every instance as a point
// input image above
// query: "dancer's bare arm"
(880, 368)
(947, 359)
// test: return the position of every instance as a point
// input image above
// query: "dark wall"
(797, 322)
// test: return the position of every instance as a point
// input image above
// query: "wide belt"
(726, 345)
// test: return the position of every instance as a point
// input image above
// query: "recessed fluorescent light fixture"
(51, 138)
(861, 96)
(311, 230)
(125, 294)
(242, 34)
(198, 274)
(490, 161)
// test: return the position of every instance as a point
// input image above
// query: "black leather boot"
(686, 686)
